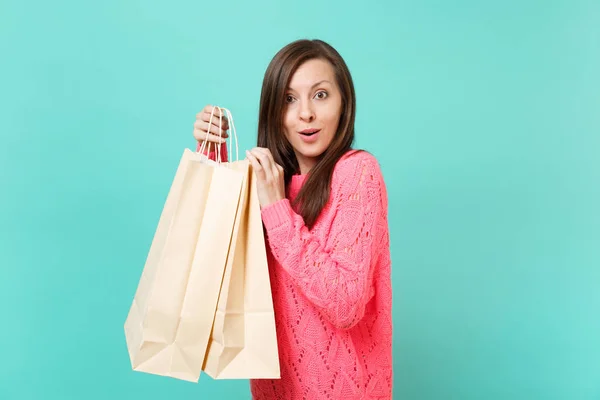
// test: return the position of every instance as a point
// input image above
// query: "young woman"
(324, 209)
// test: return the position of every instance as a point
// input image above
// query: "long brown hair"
(315, 192)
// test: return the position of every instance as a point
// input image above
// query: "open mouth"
(309, 132)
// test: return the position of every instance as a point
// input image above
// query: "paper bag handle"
(230, 117)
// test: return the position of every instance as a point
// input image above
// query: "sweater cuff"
(277, 214)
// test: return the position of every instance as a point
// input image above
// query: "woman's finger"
(266, 152)
(265, 163)
(205, 116)
(256, 166)
(201, 136)
(271, 160)
(223, 122)
(209, 108)
(218, 117)
(203, 126)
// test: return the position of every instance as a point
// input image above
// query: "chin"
(310, 152)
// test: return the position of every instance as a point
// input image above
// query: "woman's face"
(313, 103)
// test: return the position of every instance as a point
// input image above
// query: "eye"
(289, 98)
(321, 95)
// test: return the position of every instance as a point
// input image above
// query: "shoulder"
(357, 175)
(354, 163)
(358, 171)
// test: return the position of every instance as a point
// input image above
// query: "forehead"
(311, 72)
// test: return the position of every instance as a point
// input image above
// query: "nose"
(307, 113)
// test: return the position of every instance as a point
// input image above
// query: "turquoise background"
(485, 117)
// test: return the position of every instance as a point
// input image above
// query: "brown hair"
(314, 194)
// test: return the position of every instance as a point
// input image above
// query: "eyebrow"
(316, 84)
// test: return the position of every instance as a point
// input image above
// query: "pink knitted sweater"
(332, 292)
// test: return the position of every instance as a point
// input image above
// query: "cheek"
(333, 116)
(288, 122)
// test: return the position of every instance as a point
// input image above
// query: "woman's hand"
(270, 182)
(202, 129)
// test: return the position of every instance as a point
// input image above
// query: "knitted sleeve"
(335, 275)
(213, 154)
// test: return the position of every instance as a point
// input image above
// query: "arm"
(336, 279)
(212, 154)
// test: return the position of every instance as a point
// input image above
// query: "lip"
(312, 138)
(310, 130)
